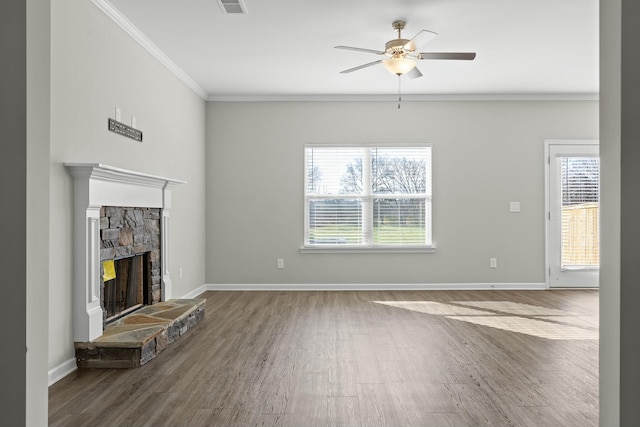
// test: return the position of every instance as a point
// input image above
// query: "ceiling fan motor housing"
(396, 46)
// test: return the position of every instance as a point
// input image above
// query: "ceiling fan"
(401, 53)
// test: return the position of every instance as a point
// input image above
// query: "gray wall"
(486, 154)
(95, 67)
(38, 152)
(13, 227)
(610, 116)
(620, 293)
(629, 214)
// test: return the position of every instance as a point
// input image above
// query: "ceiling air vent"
(234, 7)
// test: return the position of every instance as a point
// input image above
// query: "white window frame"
(367, 207)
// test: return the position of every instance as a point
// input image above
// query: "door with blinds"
(573, 225)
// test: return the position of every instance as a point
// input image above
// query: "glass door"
(573, 231)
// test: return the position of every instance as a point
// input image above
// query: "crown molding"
(408, 97)
(139, 37)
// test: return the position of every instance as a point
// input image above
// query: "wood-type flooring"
(380, 358)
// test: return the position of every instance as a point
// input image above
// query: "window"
(368, 196)
(580, 227)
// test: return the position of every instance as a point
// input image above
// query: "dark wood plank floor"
(423, 358)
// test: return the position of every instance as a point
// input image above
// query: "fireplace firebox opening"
(129, 289)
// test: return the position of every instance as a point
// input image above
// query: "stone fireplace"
(130, 240)
(118, 214)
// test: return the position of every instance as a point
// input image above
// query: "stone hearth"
(137, 338)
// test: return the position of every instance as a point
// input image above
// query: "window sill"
(342, 249)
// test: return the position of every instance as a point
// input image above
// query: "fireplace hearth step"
(137, 338)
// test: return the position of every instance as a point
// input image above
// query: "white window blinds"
(368, 195)
(580, 190)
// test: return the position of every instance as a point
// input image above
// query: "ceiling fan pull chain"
(399, 91)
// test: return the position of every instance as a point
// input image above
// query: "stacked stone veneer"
(129, 231)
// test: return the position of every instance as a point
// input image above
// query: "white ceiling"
(285, 48)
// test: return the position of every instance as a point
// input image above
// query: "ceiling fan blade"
(359, 67)
(447, 55)
(359, 49)
(419, 40)
(414, 73)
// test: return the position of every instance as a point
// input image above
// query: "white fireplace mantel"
(97, 185)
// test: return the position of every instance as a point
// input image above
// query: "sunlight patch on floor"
(543, 322)
(432, 307)
(537, 328)
(516, 308)
(579, 321)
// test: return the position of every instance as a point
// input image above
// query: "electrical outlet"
(118, 115)
(514, 207)
(133, 121)
(180, 272)
(280, 263)
(493, 263)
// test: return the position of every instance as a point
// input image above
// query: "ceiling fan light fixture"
(399, 65)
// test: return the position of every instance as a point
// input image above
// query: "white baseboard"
(62, 370)
(375, 287)
(194, 293)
